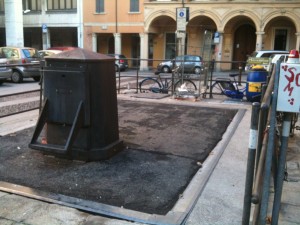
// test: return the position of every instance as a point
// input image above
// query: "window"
(134, 6)
(61, 4)
(280, 42)
(99, 6)
(2, 6)
(170, 48)
(32, 5)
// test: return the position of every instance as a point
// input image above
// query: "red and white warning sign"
(289, 84)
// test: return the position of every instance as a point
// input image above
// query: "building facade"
(153, 30)
(45, 23)
(224, 30)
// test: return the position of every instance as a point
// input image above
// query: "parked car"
(121, 63)
(274, 58)
(63, 48)
(189, 64)
(261, 58)
(44, 53)
(22, 56)
(5, 72)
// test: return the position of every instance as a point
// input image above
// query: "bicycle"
(164, 85)
(227, 87)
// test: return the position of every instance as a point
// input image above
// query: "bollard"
(281, 166)
(250, 162)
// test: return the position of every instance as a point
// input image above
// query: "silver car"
(189, 64)
(5, 72)
(25, 62)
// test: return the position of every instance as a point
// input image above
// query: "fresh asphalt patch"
(164, 146)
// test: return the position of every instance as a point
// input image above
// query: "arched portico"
(239, 40)
(200, 31)
(162, 38)
(152, 18)
(280, 33)
(239, 29)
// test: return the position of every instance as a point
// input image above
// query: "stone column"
(14, 23)
(94, 42)
(118, 43)
(144, 45)
(259, 40)
(298, 41)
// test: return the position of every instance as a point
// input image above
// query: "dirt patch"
(164, 145)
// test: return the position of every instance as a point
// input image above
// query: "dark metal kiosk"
(79, 118)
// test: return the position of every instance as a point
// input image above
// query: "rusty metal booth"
(79, 118)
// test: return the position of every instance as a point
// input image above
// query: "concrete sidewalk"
(221, 201)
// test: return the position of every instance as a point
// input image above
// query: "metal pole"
(240, 74)
(199, 86)
(137, 78)
(211, 75)
(250, 163)
(265, 105)
(119, 80)
(173, 83)
(266, 182)
(281, 164)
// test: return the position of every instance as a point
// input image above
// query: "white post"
(180, 42)
(118, 44)
(219, 51)
(94, 42)
(144, 51)
(298, 41)
(48, 39)
(14, 23)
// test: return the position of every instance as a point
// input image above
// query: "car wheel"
(197, 70)
(16, 77)
(1, 82)
(36, 78)
(166, 69)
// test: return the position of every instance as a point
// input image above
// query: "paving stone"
(56, 215)
(289, 214)
(96, 220)
(6, 221)
(17, 208)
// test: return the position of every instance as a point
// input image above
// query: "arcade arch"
(239, 39)
(280, 34)
(240, 32)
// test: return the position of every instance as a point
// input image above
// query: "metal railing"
(268, 142)
(203, 80)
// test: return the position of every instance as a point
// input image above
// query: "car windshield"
(253, 54)
(31, 53)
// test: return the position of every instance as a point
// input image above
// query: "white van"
(262, 58)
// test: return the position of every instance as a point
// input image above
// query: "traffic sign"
(182, 16)
(44, 28)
